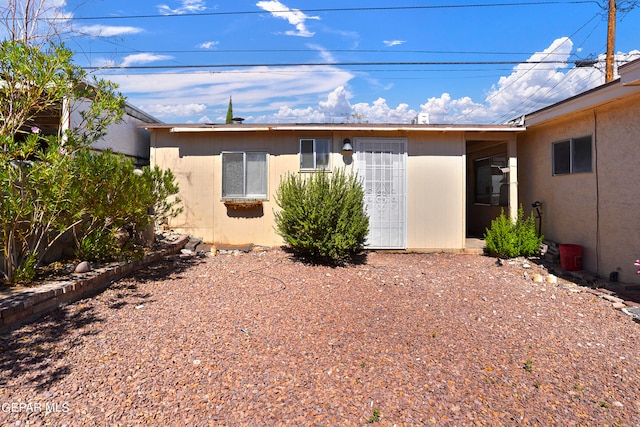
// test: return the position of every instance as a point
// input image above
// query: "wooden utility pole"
(611, 41)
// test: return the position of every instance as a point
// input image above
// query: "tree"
(49, 180)
(36, 22)
(229, 113)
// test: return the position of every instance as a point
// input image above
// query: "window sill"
(242, 203)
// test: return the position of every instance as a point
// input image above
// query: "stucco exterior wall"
(436, 191)
(599, 210)
(435, 182)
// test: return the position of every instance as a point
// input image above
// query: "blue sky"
(474, 58)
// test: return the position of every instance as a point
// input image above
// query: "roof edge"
(350, 127)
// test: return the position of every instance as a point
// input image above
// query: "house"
(427, 187)
(580, 158)
(127, 137)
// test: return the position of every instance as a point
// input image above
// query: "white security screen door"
(381, 165)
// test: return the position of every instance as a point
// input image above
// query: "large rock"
(83, 267)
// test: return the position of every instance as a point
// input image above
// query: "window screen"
(244, 175)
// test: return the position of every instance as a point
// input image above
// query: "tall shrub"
(322, 215)
(117, 197)
(50, 183)
(511, 239)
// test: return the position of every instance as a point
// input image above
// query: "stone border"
(31, 303)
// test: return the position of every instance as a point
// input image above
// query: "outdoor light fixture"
(347, 149)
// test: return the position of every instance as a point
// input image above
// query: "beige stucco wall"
(436, 191)
(598, 210)
(435, 182)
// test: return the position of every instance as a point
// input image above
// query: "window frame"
(489, 163)
(245, 195)
(316, 154)
(575, 164)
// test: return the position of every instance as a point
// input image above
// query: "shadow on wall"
(248, 211)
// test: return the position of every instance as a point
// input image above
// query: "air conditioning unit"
(421, 119)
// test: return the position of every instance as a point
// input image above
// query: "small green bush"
(511, 239)
(322, 215)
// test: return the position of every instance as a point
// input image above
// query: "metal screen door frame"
(381, 166)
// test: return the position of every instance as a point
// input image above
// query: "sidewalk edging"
(33, 303)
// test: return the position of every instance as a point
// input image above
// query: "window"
(314, 154)
(492, 185)
(244, 175)
(572, 156)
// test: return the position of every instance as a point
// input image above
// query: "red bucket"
(571, 257)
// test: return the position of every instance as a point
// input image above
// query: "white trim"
(239, 128)
(587, 100)
(335, 128)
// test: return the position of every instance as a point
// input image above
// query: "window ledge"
(242, 203)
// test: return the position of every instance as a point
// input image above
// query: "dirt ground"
(261, 338)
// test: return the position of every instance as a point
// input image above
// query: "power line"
(385, 51)
(339, 9)
(317, 64)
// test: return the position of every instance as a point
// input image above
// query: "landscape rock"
(83, 267)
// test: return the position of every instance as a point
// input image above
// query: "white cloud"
(142, 58)
(532, 85)
(208, 45)
(392, 43)
(325, 55)
(319, 94)
(295, 17)
(186, 6)
(256, 89)
(175, 110)
(338, 109)
(106, 30)
(447, 110)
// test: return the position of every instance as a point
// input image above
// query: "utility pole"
(611, 41)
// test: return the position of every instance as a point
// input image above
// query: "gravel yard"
(261, 339)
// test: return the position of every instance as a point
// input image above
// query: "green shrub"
(52, 185)
(511, 239)
(322, 215)
(98, 245)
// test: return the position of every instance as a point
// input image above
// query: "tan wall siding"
(435, 196)
(193, 166)
(598, 210)
(197, 164)
(435, 183)
(618, 145)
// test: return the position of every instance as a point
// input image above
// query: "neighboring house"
(427, 187)
(126, 137)
(581, 159)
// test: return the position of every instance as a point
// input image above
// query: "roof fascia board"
(587, 100)
(181, 129)
(337, 128)
(630, 73)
